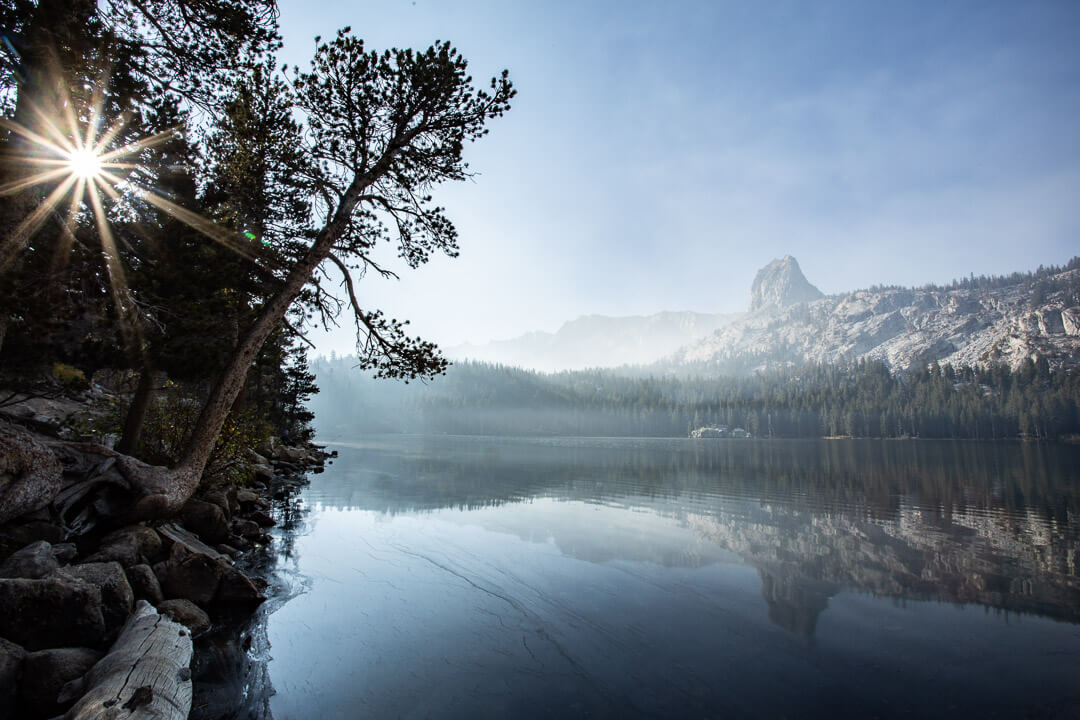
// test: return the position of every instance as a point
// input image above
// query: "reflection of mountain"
(1013, 562)
(994, 524)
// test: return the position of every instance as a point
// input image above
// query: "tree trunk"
(169, 489)
(146, 675)
(136, 415)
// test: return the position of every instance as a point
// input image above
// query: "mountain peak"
(781, 284)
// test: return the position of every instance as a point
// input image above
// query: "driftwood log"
(145, 676)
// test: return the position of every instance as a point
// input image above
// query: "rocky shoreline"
(67, 597)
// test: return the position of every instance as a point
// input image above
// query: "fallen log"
(145, 676)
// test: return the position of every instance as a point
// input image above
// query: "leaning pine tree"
(381, 129)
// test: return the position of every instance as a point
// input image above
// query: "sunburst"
(79, 163)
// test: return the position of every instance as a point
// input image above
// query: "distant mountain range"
(980, 320)
(598, 341)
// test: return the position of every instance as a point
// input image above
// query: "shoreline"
(70, 600)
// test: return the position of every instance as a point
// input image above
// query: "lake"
(464, 577)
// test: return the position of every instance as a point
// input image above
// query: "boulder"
(186, 613)
(192, 576)
(36, 560)
(131, 545)
(266, 449)
(295, 455)
(248, 498)
(45, 673)
(117, 598)
(34, 474)
(51, 612)
(206, 520)
(221, 499)
(229, 550)
(262, 519)
(237, 594)
(246, 528)
(161, 571)
(144, 584)
(25, 531)
(11, 667)
(262, 471)
(65, 553)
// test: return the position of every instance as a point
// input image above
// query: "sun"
(85, 164)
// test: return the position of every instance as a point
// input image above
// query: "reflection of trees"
(232, 678)
(872, 476)
(963, 522)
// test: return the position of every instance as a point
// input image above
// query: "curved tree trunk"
(166, 490)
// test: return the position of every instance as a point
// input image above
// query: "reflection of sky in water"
(589, 597)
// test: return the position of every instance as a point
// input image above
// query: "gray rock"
(11, 668)
(161, 571)
(65, 553)
(51, 612)
(144, 584)
(967, 324)
(262, 519)
(246, 528)
(36, 560)
(262, 471)
(45, 673)
(117, 598)
(237, 594)
(221, 499)
(781, 284)
(206, 520)
(186, 613)
(128, 546)
(225, 549)
(192, 576)
(247, 498)
(295, 455)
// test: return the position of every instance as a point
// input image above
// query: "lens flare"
(85, 164)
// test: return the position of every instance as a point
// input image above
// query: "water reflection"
(962, 522)
(474, 577)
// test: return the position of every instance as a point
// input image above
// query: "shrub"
(70, 376)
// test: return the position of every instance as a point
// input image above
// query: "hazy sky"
(658, 154)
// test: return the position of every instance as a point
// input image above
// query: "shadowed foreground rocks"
(77, 596)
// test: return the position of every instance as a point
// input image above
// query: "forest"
(864, 399)
(179, 210)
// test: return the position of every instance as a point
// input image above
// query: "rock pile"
(64, 596)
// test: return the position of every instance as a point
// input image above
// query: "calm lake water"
(515, 578)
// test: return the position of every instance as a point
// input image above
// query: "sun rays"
(70, 169)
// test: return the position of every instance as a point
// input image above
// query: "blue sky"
(658, 154)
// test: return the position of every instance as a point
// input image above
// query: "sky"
(658, 154)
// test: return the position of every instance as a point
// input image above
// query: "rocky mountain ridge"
(974, 322)
(780, 284)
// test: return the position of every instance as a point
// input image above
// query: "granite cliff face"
(781, 284)
(980, 321)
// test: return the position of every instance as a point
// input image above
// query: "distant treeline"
(1041, 282)
(864, 400)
